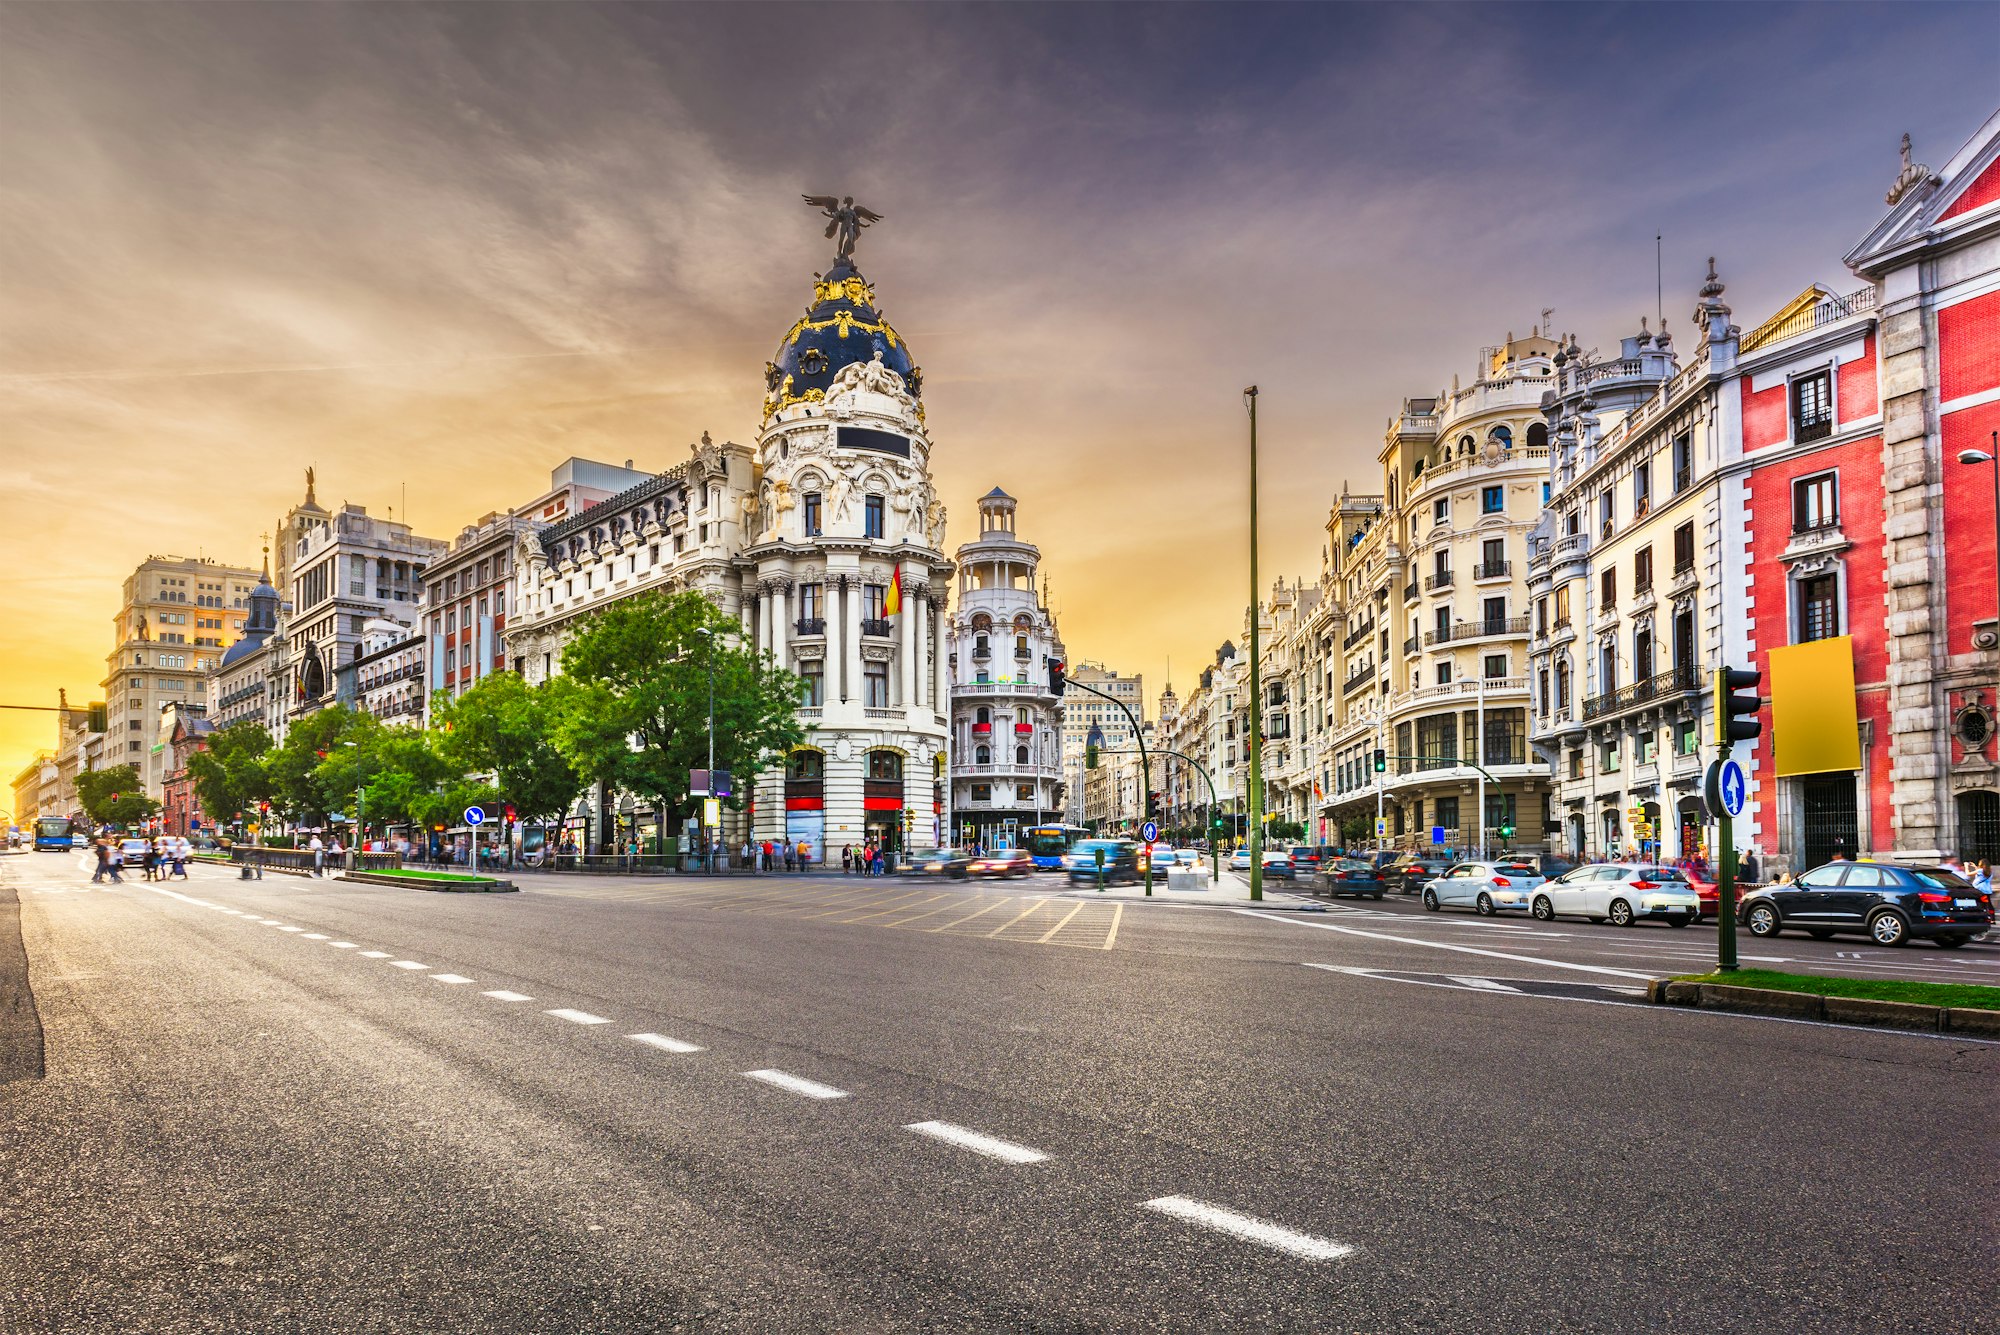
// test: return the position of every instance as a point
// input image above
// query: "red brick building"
(186, 731)
(1857, 521)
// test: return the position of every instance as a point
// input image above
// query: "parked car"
(950, 863)
(1622, 893)
(1352, 876)
(1305, 858)
(1003, 862)
(1121, 861)
(1278, 862)
(1487, 888)
(1239, 859)
(1890, 904)
(1410, 873)
(1548, 866)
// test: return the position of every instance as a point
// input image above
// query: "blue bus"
(1049, 844)
(54, 834)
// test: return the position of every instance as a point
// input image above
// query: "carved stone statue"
(843, 498)
(934, 524)
(903, 503)
(781, 505)
(870, 375)
(845, 220)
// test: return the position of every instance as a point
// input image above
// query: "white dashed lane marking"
(1249, 1228)
(315, 936)
(577, 1017)
(291, 929)
(990, 1146)
(663, 1043)
(374, 954)
(407, 964)
(797, 1084)
(343, 945)
(451, 978)
(504, 995)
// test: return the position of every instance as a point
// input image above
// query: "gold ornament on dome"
(855, 290)
(844, 322)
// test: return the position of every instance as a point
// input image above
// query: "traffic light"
(1381, 761)
(1152, 805)
(1090, 756)
(1736, 715)
(1058, 676)
(1506, 832)
(100, 721)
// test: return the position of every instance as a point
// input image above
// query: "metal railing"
(1357, 679)
(1358, 634)
(1813, 428)
(810, 626)
(1674, 681)
(1816, 528)
(1410, 592)
(880, 626)
(1439, 580)
(1410, 645)
(1493, 570)
(1826, 312)
(1473, 630)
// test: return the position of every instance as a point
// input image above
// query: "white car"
(1240, 859)
(1622, 893)
(1487, 888)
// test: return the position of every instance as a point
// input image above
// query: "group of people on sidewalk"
(165, 856)
(871, 859)
(776, 854)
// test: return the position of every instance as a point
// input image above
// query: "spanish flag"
(892, 601)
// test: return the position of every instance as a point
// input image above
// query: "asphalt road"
(403, 1115)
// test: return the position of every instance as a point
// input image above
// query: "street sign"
(721, 783)
(697, 783)
(1381, 827)
(474, 816)
(1437, 834)
(1150, 831)
(1726, 788)
(711, 812)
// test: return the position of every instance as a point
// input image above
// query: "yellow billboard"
(1814, 725)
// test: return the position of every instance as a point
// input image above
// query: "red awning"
(882, 803)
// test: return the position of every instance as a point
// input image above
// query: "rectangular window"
(812, 514)
(1492, 500)
(1819, 608)
(1496, 666)
(1500, 811)
(814, 673)
(1562, 607)
(1685, 738)
(982, 792)
(1492, 558)
(450, 658)
(1812, 406)
(1642, 570)
(1576, 764)
(1642, 489)
(1648, 740)
(1542, 689)
(871, 517)
(1545, 495)
(811, 606)
(1024, 792)
(1683, 462)
(1447, 813)
(1444, 673)
(875, 677)
(1441, 510)
(1684, 548)
(1816, 503)
(873, 598)
(1607, 758)
(1607, 589)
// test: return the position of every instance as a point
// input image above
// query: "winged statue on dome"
(845, 219)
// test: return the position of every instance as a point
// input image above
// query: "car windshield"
(1355, 864)
(1517, 868)
(1659, 874)
(1941, 878)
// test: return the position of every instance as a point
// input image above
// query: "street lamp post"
(1256, 741)
(1992, 459)
(708, 839)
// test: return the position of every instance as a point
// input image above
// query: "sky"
(434, 250)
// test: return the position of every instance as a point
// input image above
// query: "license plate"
(1965, 903)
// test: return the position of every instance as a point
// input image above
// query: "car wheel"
(1888, 929)
(1485, 907)
(1377, 896)
(1679, 920)
(1819, 933)
(1621, 913)
(1952, 942)
(1763, 921)
(1544, 909)
(1431, 900)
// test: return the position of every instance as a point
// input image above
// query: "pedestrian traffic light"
(1736, 715)
(1381, 761)
(1058, 676)
(1090, 756)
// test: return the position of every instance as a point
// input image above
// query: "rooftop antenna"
(1548, 320)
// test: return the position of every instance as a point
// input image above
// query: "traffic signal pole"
(1735, 721)
(1057, 674)
(1256, 738)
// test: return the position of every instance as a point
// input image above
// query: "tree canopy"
(504, 727)
(229, 775)
(115, 796)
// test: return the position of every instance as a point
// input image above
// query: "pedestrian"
(1748, 867)
(318, 856)
(103, 860)
(805, 856)
(183, 851)
(847, 859)
(791, 856)
(1982, 876)
(1840, 854)
(114, 858)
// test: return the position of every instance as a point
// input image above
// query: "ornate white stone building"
(824, 541)
(1007, 736)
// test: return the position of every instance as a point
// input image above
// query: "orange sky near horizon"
(434, 251)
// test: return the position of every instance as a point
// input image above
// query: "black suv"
(1410, 874)
(1887, 902)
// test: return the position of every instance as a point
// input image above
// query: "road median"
(431, 880)
(1971, 1009)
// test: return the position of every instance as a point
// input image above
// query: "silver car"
(1622, 893)
(1487, 888)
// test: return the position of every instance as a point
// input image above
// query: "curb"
(1832, 1010)
(413, 883)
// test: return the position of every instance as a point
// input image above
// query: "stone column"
(941, 676)
(835, 664)
(851, 636)
(909, 645)
(781, 628)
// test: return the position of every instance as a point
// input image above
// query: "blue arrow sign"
(1150, 831)
(1735, 790)
(473, 815)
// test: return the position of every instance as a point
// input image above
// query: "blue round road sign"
(473, 815)
(1150, 831)
(1733, 787)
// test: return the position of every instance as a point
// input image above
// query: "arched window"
(1538, 435)
(982, 715)
(805, 764)
(1562, 684)
(982, 755)
(1465, 444)
(1501, 436)
(1020, 755)
(885, 765)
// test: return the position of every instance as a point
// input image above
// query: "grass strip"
(425, 875)
(1972, 996)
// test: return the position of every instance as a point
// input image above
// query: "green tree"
(635, 713)
(507, 728)
(115, 796)
(298, 789)
(229, 776)
(391, 769)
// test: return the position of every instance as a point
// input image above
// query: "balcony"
(1818, 427)
(1477, 630)
(1662, 687)
(1357, 680)
(1024, 655)
(810, 626)
(1410, 592)
(1358, 634)
(982, 652)
(1439, 580)
(1493, 570)
(882, 628)
(1571, 549)
(1410, 645)
(1683, 479)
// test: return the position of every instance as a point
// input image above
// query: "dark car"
(1121, 861)
(1891, 904)
(1409, 874)
(1305, 859)
(949, 863)
(1352, 876)
(1548, 866)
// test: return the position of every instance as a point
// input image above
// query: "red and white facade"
(1854, 518)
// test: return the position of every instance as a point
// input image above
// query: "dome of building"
(261, 621)
(840, 328)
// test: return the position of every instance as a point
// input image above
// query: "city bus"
(1049, 844)
(54, 834)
